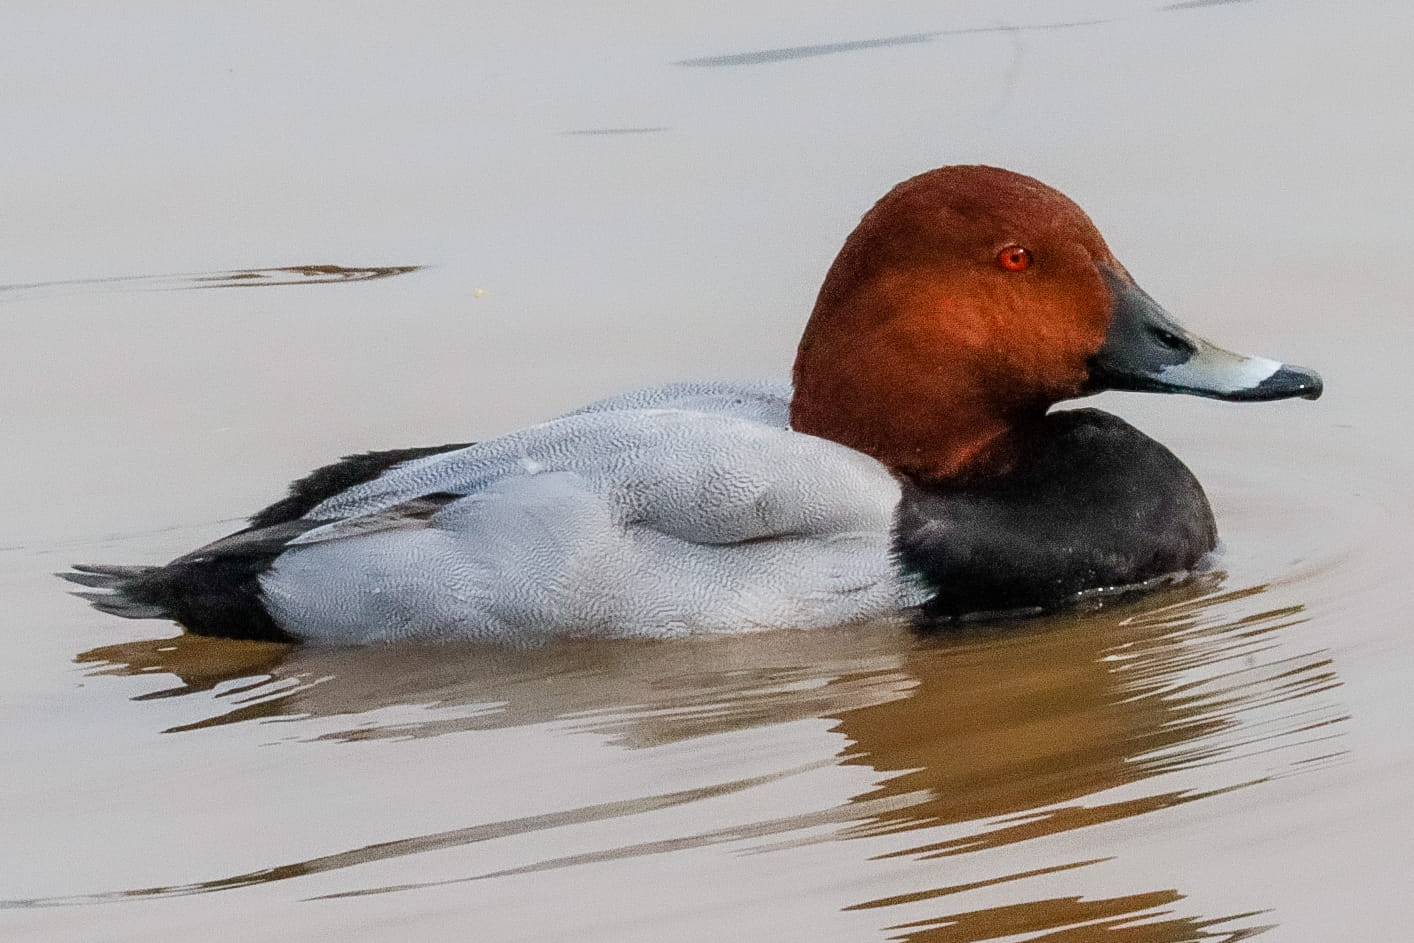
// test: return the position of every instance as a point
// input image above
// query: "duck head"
(970, 300)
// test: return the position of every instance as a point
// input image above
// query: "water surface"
(461, 221)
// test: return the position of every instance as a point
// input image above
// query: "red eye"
(1014, 258)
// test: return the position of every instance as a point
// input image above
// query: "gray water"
(591, 200)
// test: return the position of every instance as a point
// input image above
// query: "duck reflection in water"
(988, 741)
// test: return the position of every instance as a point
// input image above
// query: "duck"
(912, 467)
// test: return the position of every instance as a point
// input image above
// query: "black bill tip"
(1296, 381)
(1288, 382)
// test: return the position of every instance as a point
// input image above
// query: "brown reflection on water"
(199, 663)
(644, 694)
(982, 741)
(1008, 723)
(1015, 738)
(321, 274)
(1134, 918)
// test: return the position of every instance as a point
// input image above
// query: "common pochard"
(912, 467)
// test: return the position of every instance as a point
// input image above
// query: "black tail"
(216, 590)
(211, 591)
(120, 589)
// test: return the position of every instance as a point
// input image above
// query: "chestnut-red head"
(967, 302)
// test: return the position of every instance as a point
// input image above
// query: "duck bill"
(1145, 349)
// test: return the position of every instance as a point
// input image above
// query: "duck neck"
(926, 441)
(879, 385)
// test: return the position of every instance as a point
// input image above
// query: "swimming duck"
(912, 466)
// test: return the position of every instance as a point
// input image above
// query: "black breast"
(1095, 503)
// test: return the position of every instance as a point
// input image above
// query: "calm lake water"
(597, 199)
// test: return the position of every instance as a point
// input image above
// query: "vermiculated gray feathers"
(684, 509)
